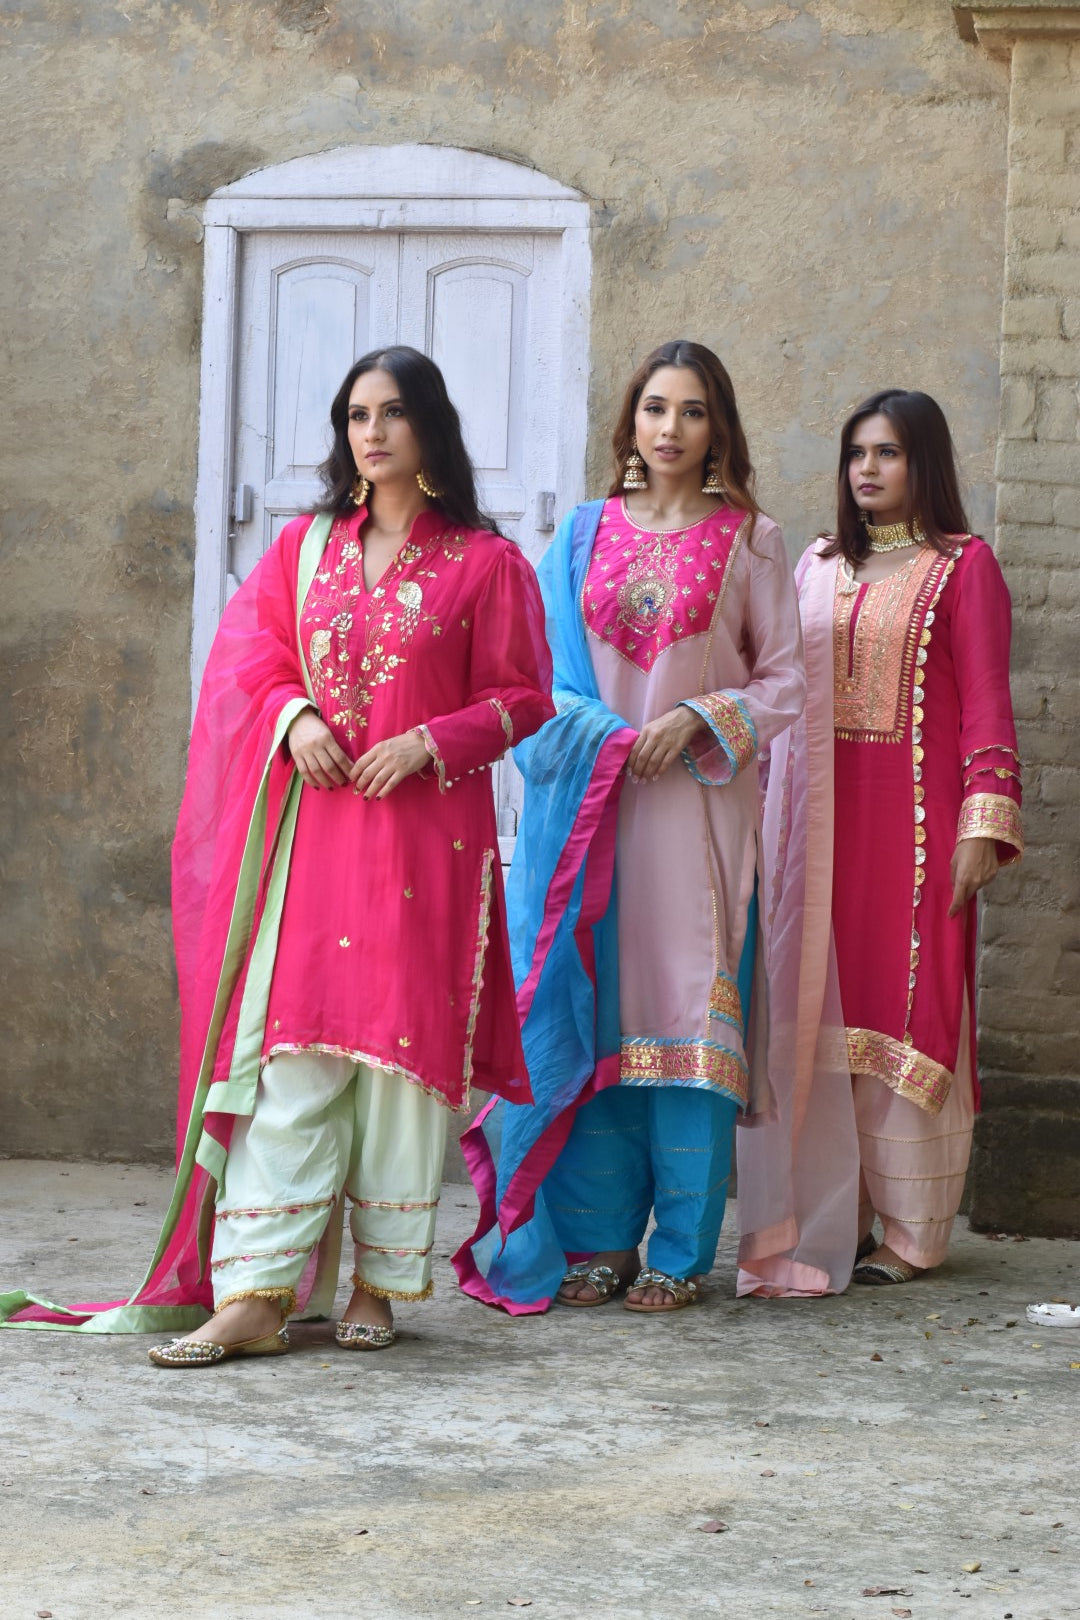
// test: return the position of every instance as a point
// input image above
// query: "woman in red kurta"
(892, 805)
(396, 647)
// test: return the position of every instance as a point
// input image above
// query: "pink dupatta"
(799, 1170)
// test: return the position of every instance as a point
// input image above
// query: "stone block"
(1006, 966)
(1025, 1172)
(1066, 513)
(1032, 228)
(1038, 145)
(1018, 406)
(1059, 786)
(1057, 409)
(1037, 463)
(1023, 512)
(1043, 274)
(1070, 318)
(1030, 189)
(1047, 356)
(1031, 317)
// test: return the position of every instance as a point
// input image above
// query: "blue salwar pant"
(632, 1150)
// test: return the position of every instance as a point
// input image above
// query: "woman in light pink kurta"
(672, 615)
(889, 807)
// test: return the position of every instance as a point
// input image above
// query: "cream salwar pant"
(913, 1163)
(323, 1125)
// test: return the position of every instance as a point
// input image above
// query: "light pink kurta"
(702, 616)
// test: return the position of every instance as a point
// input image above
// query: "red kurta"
(925, 754)
(392, 945)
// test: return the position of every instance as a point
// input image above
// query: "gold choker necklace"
(892, 536)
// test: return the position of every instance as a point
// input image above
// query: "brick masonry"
(1026, 1167)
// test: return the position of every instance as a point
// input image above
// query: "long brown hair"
(728, 439)
(933, 502)
(436, 427)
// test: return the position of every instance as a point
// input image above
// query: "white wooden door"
(484, 305)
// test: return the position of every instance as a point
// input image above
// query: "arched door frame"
(371, 188)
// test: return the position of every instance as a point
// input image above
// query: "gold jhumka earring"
(634, 477)
(361, 490)
(425, 487)
(712, 484)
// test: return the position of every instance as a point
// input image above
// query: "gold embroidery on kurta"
(908, 1072)
(876, 641)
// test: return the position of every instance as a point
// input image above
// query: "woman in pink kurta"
(895, 801)
(633, 894)
(340, 930)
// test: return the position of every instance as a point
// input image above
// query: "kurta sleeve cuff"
(992, 815)
(731, 744)
(436, 756)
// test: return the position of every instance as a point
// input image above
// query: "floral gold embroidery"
(345, 942)
(910, 1073)
(877, 643)
(725, 1002)
(353, 646)
(702, 1064)
(991, 815)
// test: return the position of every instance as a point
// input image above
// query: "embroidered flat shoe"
(882, 1273)
(364, 1336)
(205, 1353)
(684, 1292)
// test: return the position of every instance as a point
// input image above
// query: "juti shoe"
(205, 1353)
(364, 1336)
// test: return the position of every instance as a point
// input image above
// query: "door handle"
(545, 511)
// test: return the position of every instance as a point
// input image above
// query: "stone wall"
(1027, 1161)
(818, 190)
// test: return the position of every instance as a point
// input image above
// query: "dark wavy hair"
(728, 439)
(933, 489)
(434, 421)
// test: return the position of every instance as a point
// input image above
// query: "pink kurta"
(708, 617)
(392, 945)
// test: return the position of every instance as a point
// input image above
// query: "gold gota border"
(725, 1001)
(483, 922)
(731, 719)
(507, 723)
(908, 1072)
(689, 1063)
(991, 815)
(391, 1293)
(276, 1209)
(436, 757)
(938, 579)
(286, 1298)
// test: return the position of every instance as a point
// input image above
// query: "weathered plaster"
(816, 190)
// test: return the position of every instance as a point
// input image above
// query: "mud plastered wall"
(816, 190)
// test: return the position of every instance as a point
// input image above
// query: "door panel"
(484, 305)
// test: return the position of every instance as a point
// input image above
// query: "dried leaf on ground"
(768, 1473)
(902, 1614)
(713, 1527)
(887, 1591)
(876, 1357)
(973, 1568)
(520, 1603)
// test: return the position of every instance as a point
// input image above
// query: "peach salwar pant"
(325, 1125)
(913, 1163)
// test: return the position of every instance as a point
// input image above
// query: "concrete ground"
(921, 1440)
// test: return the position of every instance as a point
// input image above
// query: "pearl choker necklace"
(892, 536)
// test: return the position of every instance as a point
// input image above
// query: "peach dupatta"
(799, 1169)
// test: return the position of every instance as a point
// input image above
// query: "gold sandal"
(364, 1336)
(684, 1292)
